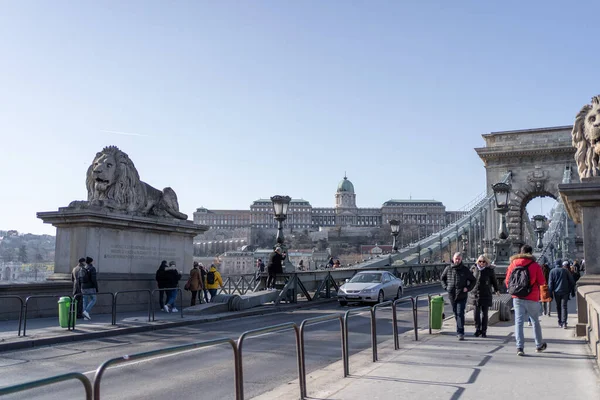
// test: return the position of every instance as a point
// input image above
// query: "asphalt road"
(269, 360)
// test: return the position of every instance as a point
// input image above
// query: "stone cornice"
(575, 196)
(491, 153)
(67, 217)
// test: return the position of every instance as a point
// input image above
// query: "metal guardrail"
(237, 350)
(114, 311)
(164, 290)
(20, 309)
(80, 297)
(169, 350)
(311, 321)
(395, 319)
(49, 381)
(346, 316)
(254, 332)
(41, 296)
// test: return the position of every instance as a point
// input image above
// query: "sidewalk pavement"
(439, 366)
(46, 331)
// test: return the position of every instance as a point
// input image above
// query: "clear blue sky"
(234, 101)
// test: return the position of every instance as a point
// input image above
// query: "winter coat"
(536, 276)
(162, 280)
(561, 282)
(218, 280)
(481, 295)
(172, 277)
(455, 278)
(75, 280)
(195, 280)
(87, 277)
(545, 296)
(275, 263)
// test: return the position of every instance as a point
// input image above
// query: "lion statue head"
(112, 177)
(586, 139)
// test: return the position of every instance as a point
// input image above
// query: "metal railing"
(346, 316)
(114, 311)
(237, 349)
(49, 381)
(79, 296)
(254, 332)
(41, 296)
(169, 350)
(164, 290)
(312, 321)
(20, 309)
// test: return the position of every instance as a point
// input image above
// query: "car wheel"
(399, 294)
(343, 303)
(380, 297)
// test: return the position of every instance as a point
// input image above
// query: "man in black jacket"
(77, 288)
(275, 267)
(561, 285)
(89, 286)
(458, 281)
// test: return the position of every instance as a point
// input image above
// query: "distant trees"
(23, 254)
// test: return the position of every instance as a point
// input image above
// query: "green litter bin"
(436, 311)
(64, 308)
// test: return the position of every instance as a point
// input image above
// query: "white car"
(371, 287)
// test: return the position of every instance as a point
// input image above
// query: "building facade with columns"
(422, 216)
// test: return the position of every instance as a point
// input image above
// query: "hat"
(565, 264)
(89, 260)
(171, 262)
(200, 264)
(82, 259)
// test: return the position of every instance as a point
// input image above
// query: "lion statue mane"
(586, 139)
(114, 183)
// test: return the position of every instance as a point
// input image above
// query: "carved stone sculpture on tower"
(586, 139)
(113, 183)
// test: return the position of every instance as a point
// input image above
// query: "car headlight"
(342, 290)
(368, 290)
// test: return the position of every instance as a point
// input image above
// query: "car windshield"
(366, 278)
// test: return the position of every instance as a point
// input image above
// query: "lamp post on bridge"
(502, 245)
(280, 210)
(395, 226)
(540, 228)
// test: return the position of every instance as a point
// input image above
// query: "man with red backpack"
(524, 277)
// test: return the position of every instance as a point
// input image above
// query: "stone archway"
(537, 161)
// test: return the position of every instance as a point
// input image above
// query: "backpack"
(210, 278)
(519, 283)
(84, 275)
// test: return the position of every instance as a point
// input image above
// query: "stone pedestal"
(582, 201)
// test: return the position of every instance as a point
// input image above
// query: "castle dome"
(345, 186)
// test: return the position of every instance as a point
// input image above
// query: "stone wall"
(591, 295)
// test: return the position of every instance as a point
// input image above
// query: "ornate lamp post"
(539, 222)
(280, 209)
(502, 245)
(464, 239)
(552, 253)
(395, 225)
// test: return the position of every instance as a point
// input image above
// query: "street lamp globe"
(280, 206)
(539, 222)
(501, 192)
(395, 226)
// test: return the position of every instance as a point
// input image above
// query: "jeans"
(171, 296)
(525, 309)
(458, 307)
(213, 293)
(89, 299)
(206, 295)
(162, 294)
(481, 324)
(561, 307)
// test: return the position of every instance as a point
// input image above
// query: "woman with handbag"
(194, 283)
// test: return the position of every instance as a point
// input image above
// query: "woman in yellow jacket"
(213, 281)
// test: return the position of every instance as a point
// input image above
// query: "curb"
(27, 344)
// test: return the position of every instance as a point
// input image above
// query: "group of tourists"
(85, 286)
(200, 280)
(533, 287)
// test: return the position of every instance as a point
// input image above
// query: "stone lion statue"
(114, 183)
(586, 139)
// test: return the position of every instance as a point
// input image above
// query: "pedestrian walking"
(523, 279)
(88, 284)
(213, 281)
(76, 288)
(162, 281)
(545, 297)
(172, 281)
(196, 284)
(481, 295)
(275, 267)
(203, 273)
(561, 285)
(458, 280)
